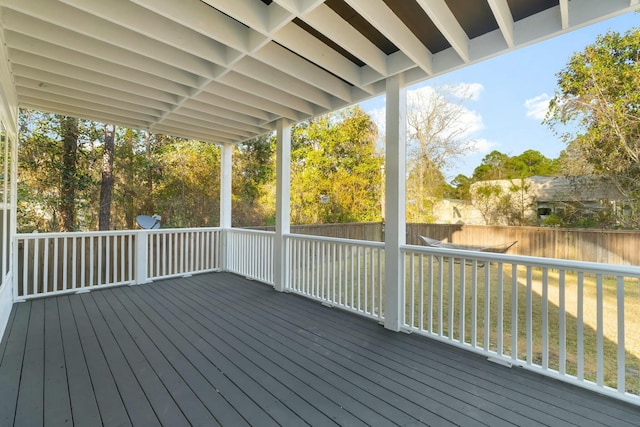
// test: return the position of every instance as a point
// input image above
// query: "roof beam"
(85, 113)
(272, 110)
(66, 17)
(564, 13)
(206, 112)
(268, 92)
(502, 13)
(204, 19)
(304, 44)
(24, 82)
(448, 25)
(331, 24)
(129, 16)
(18, 23)
(215, 128)
(272, 76)
(188, 134)
(68, 83)
(224, 106)
(175, 124)
(381, 17)
(90, 105)
(64, 69)
(56, 53)
(282, 59)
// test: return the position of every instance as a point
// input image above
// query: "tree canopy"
(596, 111)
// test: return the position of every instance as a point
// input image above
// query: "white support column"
(283, 204)
(226, 161)
(395, 181)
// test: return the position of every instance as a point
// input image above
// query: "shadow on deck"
(216, 349)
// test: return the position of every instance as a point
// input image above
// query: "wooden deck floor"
(217, 349)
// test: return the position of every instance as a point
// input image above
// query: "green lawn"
(441, 315)
(354, 283)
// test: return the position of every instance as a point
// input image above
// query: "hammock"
(501, 248)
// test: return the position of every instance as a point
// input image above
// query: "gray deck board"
(216, 349)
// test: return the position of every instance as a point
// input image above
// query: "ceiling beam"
(282, 59)
(204, 19)
(255, 87)
(272, 110)
(68, 18)
(67, 70)
(380, 16)
(341, 32)
(307, 46)
(67, 83)
(42, 49)
(89, 105)
(275, 78)
(81, 113)
(448, 25)
(24, 82)
(502, 13)
(131, 17)
(19, 23)
(564, 13)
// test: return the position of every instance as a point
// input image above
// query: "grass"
(446, 316)
(353, 282)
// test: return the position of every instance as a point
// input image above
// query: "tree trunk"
(106, 186)
(149, 208)
(69, 133)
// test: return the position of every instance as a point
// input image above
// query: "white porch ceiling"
(226, 70)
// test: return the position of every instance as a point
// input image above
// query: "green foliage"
(188, 190)
(253, 182)
(599, 101)
(497, 165)
(336, 171)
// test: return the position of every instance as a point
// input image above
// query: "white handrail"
(338, 272)
(565, 319)
(250, 253)
(58, 263)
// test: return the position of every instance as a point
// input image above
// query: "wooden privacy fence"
(593, 245)
(604, 246)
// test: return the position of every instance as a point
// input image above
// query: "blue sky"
(511, 94)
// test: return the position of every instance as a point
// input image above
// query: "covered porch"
(217, 349)
(199, 346)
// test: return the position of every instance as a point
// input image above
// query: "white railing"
(575, 321)
(53, 263)
(57, 263)
(250, 254)
(339, 272)
(182, 251)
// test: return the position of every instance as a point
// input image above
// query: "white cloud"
(469, 91)
(538, 106)
(481, 146)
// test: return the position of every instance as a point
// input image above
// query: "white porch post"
(395, 229)
(283, 204)
(226, 160)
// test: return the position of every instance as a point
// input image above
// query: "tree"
(253, 176)
(438, 132)
(187, 192)
(106, 186)
(598, 99)
(336, 171)
(69, 134)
